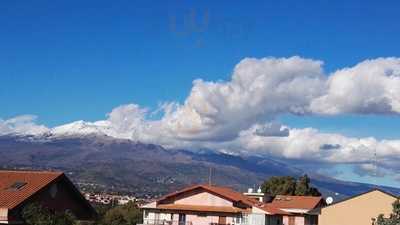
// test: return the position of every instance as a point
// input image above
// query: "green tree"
(303, 187)
(394, 218)
(279, 186)
(287, 185)
(35, 214)
(313, 191)
(128, 214)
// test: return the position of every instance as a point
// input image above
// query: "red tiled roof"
(270, 209)
(221, 191)
(35, 181)
(295, 202)
(277, 206)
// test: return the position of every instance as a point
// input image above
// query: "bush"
(35, 214)
(128, 214)
(394, 218)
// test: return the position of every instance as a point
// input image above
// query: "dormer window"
(17, 185)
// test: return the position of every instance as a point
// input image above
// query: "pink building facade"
(211, 205)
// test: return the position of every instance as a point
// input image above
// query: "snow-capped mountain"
(75, 129)
(82, 128)
(143, 168)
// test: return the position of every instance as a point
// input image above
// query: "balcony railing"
(224, 224)
(165, 222)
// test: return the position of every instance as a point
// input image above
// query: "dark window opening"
(182, 219)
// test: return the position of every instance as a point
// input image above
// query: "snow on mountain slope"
(82, 128)
(145, 168)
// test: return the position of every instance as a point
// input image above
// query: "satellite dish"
(329, 200)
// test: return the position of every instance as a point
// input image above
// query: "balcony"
(225, 224)
(165, 222)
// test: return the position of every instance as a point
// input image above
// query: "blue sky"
(76, 60)
(59, 56)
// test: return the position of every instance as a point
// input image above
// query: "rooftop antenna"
(210, 177)
(375, 167)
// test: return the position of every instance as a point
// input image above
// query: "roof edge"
(363, 193)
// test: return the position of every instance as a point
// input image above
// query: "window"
(182, 219)
(157, 217)
(292, 220)
(17, 185)
(146, 214)
(222, 220)
(240, 219)
(53, 190)
(236, 220)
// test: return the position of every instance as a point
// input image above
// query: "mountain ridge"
(128, 166)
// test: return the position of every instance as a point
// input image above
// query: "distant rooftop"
(17, 186)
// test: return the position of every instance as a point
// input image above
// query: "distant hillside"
(123, 165)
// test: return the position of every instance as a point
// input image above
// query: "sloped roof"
(364, 193)
(272, 210)
(277, 206)
(295, 202)
(30, 183)
(224, 192)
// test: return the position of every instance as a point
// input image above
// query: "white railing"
(225, 224)
(165, 222)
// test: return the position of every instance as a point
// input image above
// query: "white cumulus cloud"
(371, 87)
(24, 124)
(260, 89)
(240, 115)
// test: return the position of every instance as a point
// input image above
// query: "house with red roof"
(52, 190)
(212, 205)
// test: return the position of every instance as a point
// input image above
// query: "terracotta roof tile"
(272, 210)
(295, 202)
(221, 191)
(31, 182)
(277, 206)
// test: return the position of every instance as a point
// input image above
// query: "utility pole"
(210, 177)
(375, 165)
